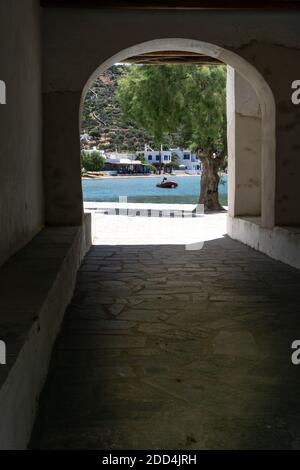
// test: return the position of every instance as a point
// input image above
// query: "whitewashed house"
(186, 160)
(156, 157)
(120, 155)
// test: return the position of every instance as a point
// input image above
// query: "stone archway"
(250, 75)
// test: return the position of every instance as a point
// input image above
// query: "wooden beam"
(172, 57)
(176, 4)
(170, 54)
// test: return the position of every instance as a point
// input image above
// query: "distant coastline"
(89, 177)
(93, 176)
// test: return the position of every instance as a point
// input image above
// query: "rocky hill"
(103, 121)
(102, 118)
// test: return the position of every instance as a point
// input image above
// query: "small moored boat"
(167, 184)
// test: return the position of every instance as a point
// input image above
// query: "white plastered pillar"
(244, 127)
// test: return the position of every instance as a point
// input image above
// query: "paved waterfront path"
(125, 207)
(165, 348)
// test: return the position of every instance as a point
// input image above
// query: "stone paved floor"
(165, 348)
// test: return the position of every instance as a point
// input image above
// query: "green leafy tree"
(186, 100)
(174, 162)
(92, 161)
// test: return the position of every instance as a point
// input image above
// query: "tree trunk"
(209, 195)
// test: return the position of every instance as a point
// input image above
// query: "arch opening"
(266, 103)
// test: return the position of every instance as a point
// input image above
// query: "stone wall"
(21, 200)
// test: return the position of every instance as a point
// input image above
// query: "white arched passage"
(251, 75)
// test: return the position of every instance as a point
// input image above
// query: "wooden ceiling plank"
(176, 4)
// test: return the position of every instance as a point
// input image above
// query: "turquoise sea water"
(144, 190)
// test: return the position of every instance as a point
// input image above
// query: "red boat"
(167, 184)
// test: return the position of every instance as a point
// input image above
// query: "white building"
(157, 156)
(186, 160)
(117, 156)
(94, 149)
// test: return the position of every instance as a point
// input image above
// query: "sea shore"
(94, 175)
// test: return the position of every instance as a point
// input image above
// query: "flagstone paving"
(163, 348)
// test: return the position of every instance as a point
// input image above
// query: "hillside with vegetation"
(102, 118)
(104, 122)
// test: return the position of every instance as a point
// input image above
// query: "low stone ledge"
(280, 243)
(36, 286)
